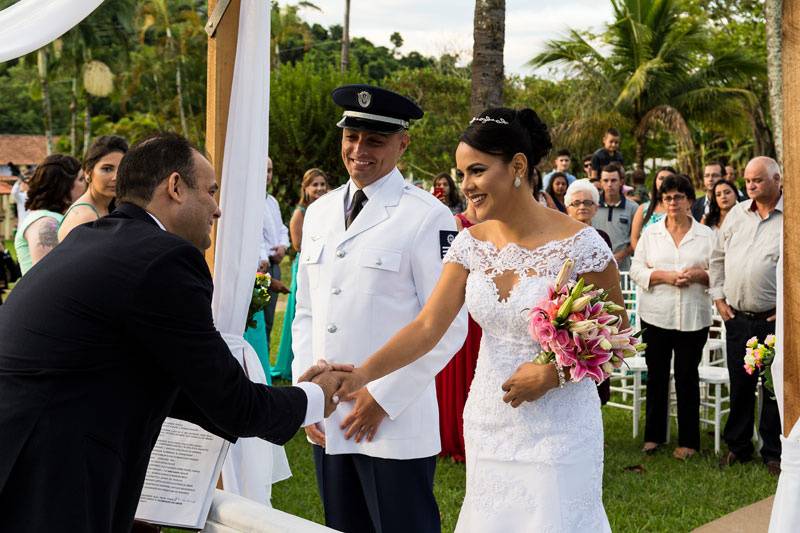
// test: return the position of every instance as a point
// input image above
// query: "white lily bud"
(565, 273)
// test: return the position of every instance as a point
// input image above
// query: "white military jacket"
(356, 288)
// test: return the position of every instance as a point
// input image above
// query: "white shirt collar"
(370, 190)
(160, 225)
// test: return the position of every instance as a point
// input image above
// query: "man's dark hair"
(101, 147)
(718, 163)
(680, 183)
(563, 153)
(52, 182)
(150, 162)
(587, 157)
(613, 132)
(614, 167)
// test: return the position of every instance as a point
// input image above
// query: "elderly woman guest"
(724, 195)
(581, 200)
(444, 188)
(557, 188)
(653, 210)
(56, 183)
(671, 268)
(313, 186)
(100, 167)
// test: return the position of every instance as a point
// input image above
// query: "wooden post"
(221, 60)
(791, 228)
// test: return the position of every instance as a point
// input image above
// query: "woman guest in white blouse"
(671, 267)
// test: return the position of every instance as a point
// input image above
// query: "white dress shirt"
(315, 398)
(20, 197)
(273, 232)
(664, 305)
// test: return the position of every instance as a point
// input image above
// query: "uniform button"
(332, 328)
(340, 253)
(336, 290)
(378, 262)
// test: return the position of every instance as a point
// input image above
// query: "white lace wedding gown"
(539, 467)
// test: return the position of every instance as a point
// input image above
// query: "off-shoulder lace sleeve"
(591, 253)
(459, 251)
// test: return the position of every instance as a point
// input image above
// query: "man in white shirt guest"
(19, 195)
(274, 242)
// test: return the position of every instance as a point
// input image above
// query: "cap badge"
(364, 99)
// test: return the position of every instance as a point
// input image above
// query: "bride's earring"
(517, 182)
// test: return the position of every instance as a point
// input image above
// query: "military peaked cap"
(374, 109)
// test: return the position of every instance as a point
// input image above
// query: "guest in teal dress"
(56, 183)
(652, 211)
(314, 185)
(257, 338)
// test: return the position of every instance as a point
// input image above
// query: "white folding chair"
(717, 403)
(628, 381)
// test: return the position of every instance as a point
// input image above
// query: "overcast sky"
(433, 27)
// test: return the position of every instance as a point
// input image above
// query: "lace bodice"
(561, 420)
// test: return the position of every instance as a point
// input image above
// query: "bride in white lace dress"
(534, 450)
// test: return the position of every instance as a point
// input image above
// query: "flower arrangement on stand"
(260, 298)
(578, 328)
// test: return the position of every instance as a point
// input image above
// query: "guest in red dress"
(452, 383)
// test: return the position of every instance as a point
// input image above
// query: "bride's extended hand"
(350, 383)
(529, 383)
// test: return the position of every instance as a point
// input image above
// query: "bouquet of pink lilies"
(577, 328)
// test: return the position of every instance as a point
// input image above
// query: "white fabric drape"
(252, 464)
(30, 24)
(786, 506)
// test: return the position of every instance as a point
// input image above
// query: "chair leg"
(717, 416)
(637, 394)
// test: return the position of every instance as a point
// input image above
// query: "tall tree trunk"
(41, 63)
(179, 89)
(73, 119)
(641, 141)
(774, 10)
(346, 37)
(87, 124)
(489, 35)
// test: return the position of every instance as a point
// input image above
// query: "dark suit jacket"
(109, 334)
(699, 208)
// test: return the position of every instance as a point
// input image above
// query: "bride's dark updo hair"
(505, 132)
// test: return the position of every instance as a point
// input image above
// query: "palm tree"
(346, 37)
(489, 34)
(660, 73)
(286, 25)
(774, 12)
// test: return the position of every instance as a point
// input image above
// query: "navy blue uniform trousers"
(363, 494)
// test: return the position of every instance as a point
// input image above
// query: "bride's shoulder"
(561, 226)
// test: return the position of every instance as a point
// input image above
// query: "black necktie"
(359, 199)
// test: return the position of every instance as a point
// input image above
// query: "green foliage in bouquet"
(260, 297)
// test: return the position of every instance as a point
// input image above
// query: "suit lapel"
(376, 209)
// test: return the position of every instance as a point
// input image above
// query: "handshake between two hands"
(338, 382)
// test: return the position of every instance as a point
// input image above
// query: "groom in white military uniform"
(371, 254)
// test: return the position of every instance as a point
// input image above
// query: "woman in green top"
(56, 183)
(314, 185)
(100, 166)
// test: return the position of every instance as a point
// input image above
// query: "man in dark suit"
(110, 334)
(713, 172)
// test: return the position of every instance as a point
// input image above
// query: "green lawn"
(641, 493)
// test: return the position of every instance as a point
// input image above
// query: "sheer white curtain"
(30, 24)
(253, 464)
(786, 507)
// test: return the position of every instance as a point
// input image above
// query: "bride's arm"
(608, 279)
(417, 338)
